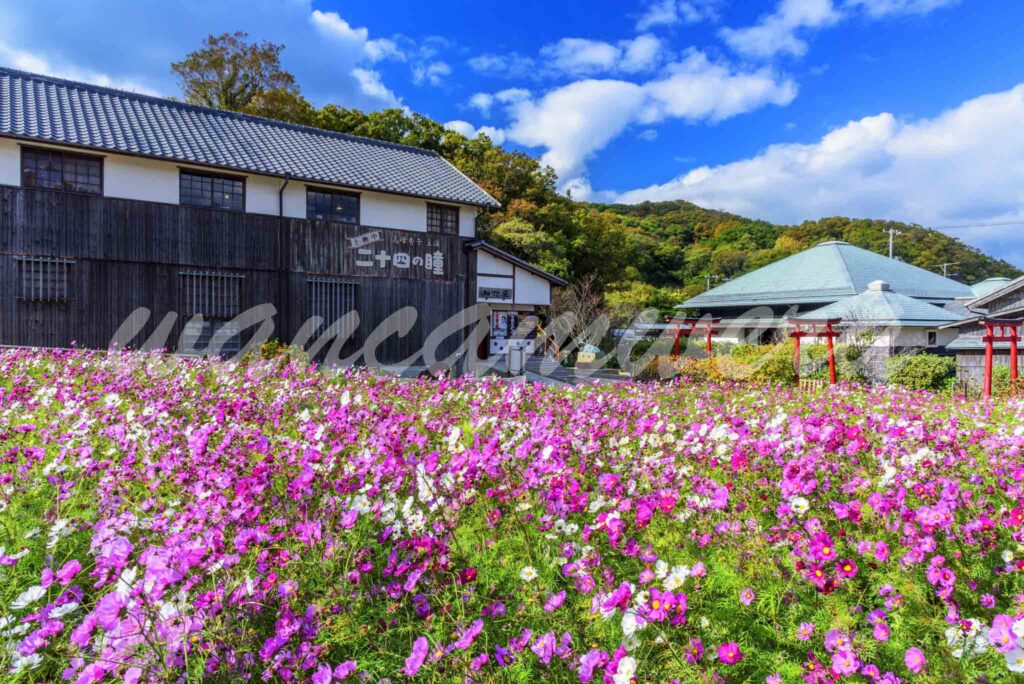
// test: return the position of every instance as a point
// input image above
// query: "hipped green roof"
(878, 306)
(827, 273)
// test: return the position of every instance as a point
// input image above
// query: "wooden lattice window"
(442, 219)
(211, 294)
(329, 298)
(45, 279)
(217, 297)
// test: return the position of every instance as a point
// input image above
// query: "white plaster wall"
(10, 162)
(532, 289)
(153, 180)
(467, 221)
(488, 263)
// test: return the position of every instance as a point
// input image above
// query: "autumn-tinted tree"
(229, 72)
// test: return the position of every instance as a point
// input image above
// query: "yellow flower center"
(655, 604)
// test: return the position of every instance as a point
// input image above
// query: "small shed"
(514, 289)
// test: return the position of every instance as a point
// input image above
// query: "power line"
(965, 226)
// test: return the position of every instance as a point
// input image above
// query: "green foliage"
(920, 371)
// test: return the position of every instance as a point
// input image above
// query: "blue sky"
(778, 109)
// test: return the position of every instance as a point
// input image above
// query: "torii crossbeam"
(817, 329)
(687, 327)
(999, 330)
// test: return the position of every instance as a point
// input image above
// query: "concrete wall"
(152, 180)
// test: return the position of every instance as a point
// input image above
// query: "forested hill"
(650, 254)
(725, 245)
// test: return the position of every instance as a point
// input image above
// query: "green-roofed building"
(755, 306)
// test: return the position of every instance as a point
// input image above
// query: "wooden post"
(709, 330)
(675, 343)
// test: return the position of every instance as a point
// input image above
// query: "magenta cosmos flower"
(730, 653)
(914, 659)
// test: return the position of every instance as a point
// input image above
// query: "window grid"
(330, 299)
(211, 294)
(442, 219)
(324, 205)
(215, 192)
(44, 279)
(56, 170)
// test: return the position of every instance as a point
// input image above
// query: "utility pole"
(892, 234)
(945, 267)
(708, 278)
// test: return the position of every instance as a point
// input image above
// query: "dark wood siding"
(130, 253)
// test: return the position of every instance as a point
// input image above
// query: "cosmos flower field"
(185, 521)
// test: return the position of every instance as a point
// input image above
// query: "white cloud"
(484, 101)
(697, 89)
(511, 65)
(432, 73)
(371, 86)
(575, 121)
(648, 134)
(584, 57)
(331, 24)
(959, 167)
(668, 12)
(467, 129)
(881, 8)
(777, 32)
(27, 61)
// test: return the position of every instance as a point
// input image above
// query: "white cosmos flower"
(1015, 660)
(66, 609)
(800, 505)
(661, 569)
(20, 663)
(28, 597)
(528, 574)
(1007, 556)
(1018, 629)
(625, 671)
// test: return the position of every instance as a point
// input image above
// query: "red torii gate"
(686, 327)
(815, 329)
(999, 330)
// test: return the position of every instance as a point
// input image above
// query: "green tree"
(231, 73)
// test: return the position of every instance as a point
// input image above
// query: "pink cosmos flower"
(694, 651)
(845, 662)
(415, 660)
(343, 670)
(730, 653)
(554, 602)
(747, 596)
(914, 659)
(805, 631)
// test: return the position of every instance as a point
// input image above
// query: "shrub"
(920, 372)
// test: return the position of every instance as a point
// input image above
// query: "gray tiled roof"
(65, 112)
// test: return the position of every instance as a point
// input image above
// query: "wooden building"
(111, 201)
(998, 299)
